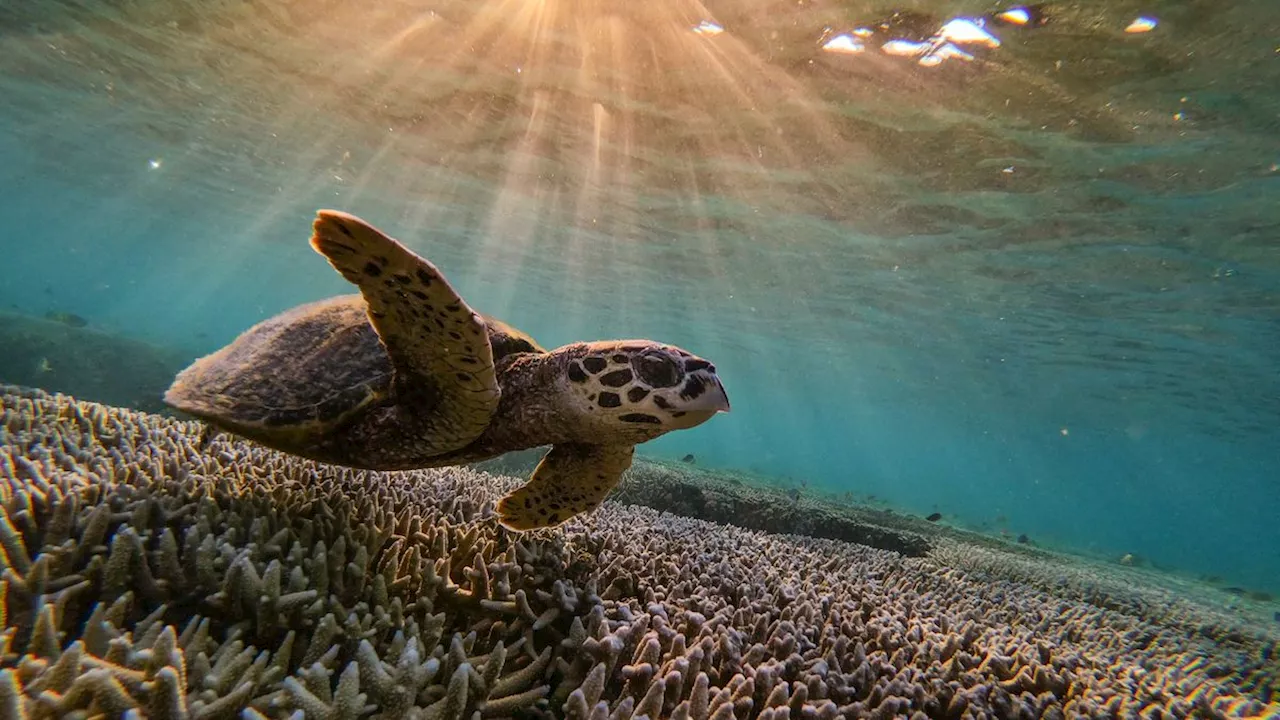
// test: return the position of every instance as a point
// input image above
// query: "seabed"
(146, 574)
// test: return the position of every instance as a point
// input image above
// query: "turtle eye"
(657, 370)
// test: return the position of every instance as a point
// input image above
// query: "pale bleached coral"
(152, 572)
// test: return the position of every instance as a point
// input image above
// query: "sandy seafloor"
(150, 574)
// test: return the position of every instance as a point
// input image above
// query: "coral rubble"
(150, 571)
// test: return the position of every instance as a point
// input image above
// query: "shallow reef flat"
(152, 571)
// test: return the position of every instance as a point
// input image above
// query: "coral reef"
(696, 493)
(726, 497)
(152, 571)
(59, 352)
(743, 500)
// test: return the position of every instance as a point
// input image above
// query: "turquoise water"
(1037, 291)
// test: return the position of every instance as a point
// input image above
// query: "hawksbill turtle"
(406, 375)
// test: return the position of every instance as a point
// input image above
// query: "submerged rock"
(148, 574)
(60, 353)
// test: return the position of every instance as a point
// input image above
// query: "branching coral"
(150, 571)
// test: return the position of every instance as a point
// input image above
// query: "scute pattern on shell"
(148, 575)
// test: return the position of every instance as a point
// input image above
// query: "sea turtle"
(406, 375)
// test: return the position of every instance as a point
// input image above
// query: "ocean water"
(1015, 265)
(1036, 291)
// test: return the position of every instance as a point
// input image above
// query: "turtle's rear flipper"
(438, 345)
(573, 478)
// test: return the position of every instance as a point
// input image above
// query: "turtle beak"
(713, 400)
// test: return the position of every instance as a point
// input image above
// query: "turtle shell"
(303, 372)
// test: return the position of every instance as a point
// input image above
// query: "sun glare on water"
(553, 110)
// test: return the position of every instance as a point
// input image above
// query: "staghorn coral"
(151, 571)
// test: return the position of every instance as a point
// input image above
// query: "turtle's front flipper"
(438, 345)
(573, 478)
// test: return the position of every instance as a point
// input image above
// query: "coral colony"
(152, 572)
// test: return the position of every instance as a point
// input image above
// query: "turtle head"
(641, 389)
